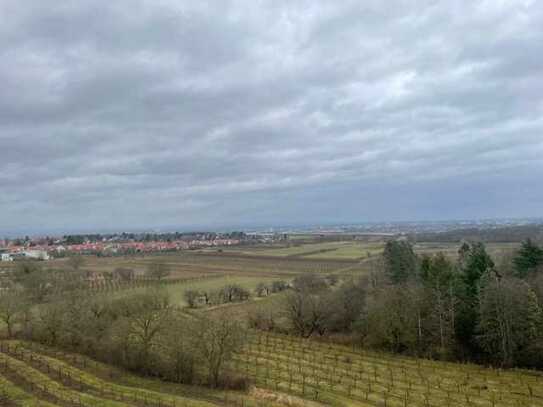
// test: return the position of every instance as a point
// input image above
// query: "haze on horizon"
(140, 114)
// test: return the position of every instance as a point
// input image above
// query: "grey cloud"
(140, 113)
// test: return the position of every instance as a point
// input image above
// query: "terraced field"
(338, 375)
(33, 375)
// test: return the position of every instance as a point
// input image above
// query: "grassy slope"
(177, 291)
(113, 380)
(52, 387)
(338, 375)
(18, 396)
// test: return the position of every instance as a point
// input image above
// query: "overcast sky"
(172, 114)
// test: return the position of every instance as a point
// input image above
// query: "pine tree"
(401, 262)
(528, 258)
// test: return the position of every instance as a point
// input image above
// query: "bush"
(232, 381)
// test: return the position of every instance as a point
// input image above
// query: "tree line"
(231, 293)
(469, 308)
(143, 332)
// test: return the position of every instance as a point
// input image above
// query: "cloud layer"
(135, 113)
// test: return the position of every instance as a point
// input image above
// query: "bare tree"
(191, 297)
(510, 318)
(149, 317)
(50, 321)
(37, 282)
(158, 271)
(262, 318)
(216, 340)
(262, 290)
(12, 307)
(76, 262)
(307, 312)
(123, 274)
(278, 286)
(178, 349)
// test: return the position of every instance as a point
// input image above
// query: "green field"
(176, 292)
(350, 250)
(342, 250)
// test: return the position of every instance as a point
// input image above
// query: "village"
(45, 250)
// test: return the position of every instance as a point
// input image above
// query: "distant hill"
(494, 234)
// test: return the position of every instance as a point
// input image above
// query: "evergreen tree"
(473, 263)
(476, 263)
(528, 258)
(440, 281)
(400, 260)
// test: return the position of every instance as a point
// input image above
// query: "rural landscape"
(272, 203)
(307, 319)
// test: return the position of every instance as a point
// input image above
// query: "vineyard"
(338, 375)
(34, 375)
(108, 286)
(329, 374)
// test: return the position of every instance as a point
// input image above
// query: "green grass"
(342, 250)
(113, 390)
(176, 292)
(351, 251)
(55, 389)
(297, 249)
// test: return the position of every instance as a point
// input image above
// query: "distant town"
(44, 248)
(123, 243)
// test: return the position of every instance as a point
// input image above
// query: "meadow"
(176, 292)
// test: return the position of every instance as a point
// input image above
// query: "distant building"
(6, 257)
(36, 254)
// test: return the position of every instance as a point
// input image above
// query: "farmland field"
(349, 250)
(343, 376)
(451, 249)
(318, 372)
(191, 264)
(328, 374)
(176, 291)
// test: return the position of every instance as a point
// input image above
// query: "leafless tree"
(76, 262)
(123, 274)
(158, 271)
(216, 340)
(12, 307)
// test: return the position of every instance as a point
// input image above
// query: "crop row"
(338, 354)
(40, 382)
(286, 364)
(84, 380)
(62, 365)
(11, 393)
